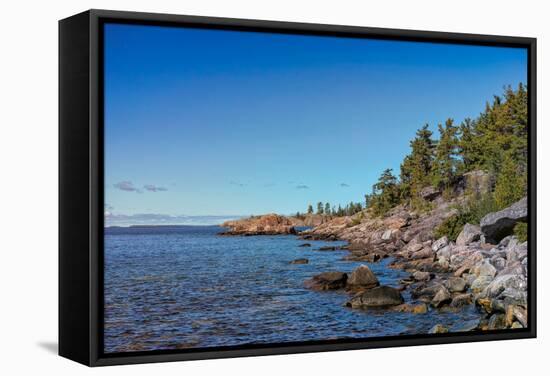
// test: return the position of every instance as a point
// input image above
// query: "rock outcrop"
(498, 225)
(269, 224)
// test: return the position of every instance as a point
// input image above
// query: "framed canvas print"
(240, 187)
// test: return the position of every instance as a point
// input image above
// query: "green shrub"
(520, 231)
(356, 219)
(477, 208)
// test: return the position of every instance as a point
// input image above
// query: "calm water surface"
(185, 286)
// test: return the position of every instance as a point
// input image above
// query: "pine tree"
(405, 178)
(511, 184)
(327, 208)
(445, 163)
(385, 193)
(467, 147)
(416, 167)
(310, 209)
(320, 208)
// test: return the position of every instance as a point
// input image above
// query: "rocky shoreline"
(485, 267)
(269, 224)
(479, 269)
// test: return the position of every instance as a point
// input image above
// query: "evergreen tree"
(405, 178)
(385, 193)
(445, 162)
(327, 208)
(417, 166)
(310, 209)
(320, 209)
(467, 147)
(511, 183)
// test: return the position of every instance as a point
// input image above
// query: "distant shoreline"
(163, 226)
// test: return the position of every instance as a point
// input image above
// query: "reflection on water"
(184, 287)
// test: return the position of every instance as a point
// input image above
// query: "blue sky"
(206, 122)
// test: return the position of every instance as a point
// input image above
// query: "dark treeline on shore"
(494, 142)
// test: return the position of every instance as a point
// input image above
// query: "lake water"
(186, 287)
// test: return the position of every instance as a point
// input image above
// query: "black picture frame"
(81, 185)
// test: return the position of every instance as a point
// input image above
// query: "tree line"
(331, 210)
(495, 142)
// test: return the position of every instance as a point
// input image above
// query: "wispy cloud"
(126, 186)
(344, 185)
(154, 188)
(239, 184)
(302, 186)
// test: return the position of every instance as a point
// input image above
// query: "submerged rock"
(411, 308)
(382, 296)
(300, 261)
(305, 245)
(327, 248)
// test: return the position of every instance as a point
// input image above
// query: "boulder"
(514, 312)
(327, 281)
(495, 226)
(305, 245)
(480, 283)
(503, 282)
(513, 296)
(498, 262)
(438, 329)
(456, 284)
(497, 321)
(382, 296)
(461, 300)
(440, 243)
(363, 277)
(470, 233)
(421, 276)
(484, 268)
(445, 252)
(427, 292)
(300, 261)
(441, 298)
(425, 252)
